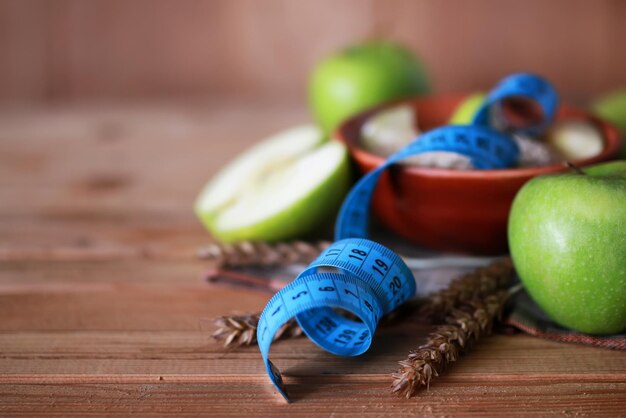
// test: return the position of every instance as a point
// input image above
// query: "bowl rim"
(610, 134)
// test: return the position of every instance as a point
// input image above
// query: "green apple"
(567, 236)
(612, 107)
(363, 76)
(280, 189)
(465, 111)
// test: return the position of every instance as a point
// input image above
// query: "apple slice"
(389, 130)
(280, 189)
(576, 140)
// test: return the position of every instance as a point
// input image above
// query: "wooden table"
(103, 308)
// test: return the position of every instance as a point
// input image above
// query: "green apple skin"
(567, 236)
(465, 111)
(296, 221)
(363, 76)
(612, 108)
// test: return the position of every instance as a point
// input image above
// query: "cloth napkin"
(523, 314)
(526, 316)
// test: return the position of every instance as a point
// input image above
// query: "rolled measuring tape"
(365, 278)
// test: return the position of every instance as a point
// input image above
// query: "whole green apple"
(612, 107)
(567, 236)
(361, 77)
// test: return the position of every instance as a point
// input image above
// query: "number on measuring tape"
(364, 278)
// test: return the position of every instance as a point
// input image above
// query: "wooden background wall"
(59, 50)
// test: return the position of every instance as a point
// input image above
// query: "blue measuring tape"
(365, 278)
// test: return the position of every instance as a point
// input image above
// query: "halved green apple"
(280, 189)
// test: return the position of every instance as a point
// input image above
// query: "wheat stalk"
(261, 254)
(464, 325)
(240, 330)
(475, 285)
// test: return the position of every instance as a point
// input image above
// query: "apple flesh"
(389, 130)
(240, 174)
(575, 139)
(280, 189)
(363, 76)
(567, 236)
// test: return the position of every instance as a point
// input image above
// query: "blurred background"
(73, 50)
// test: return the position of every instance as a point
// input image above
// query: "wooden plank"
(79, 370)
(100, 235)
(51, 356)
(122, 294)
(115, 49)
(232, 398)
(24, 62)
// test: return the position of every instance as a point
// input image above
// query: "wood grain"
(340, 399)
(103, 308)
(75, 50)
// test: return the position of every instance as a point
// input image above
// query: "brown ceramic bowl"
(451, 210)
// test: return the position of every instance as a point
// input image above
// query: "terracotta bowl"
(451, 210)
